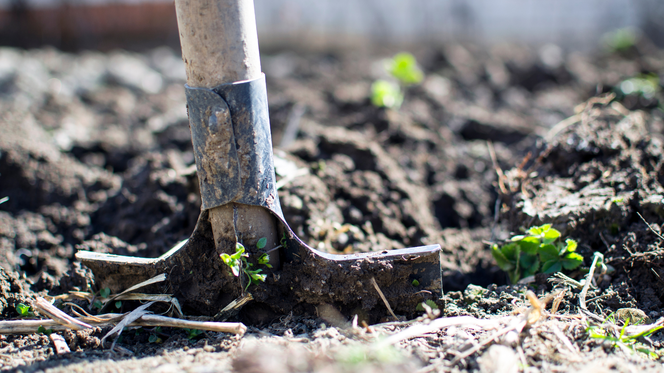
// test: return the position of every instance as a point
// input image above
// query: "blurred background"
(139, 24)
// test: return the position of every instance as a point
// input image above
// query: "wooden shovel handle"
(219, 46)
(219, 41)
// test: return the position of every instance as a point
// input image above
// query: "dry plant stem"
(382, 296)
(589, 277)
(224, 327)
(653, 231)
(32, 326)
(47, 309)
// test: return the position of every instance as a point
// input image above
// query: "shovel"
(228, 116)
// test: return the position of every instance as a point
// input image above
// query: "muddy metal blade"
(198, 278)
(233, 150)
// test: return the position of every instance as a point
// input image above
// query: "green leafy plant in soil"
(24, 310)
(623, 340)
(238, 263)
(539, 250)
(404, 70)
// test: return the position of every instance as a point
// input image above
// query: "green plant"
(154, 337)
(403, 67)
(103, 293)
(42, 330)
(193, 333)
(386, 94)
(521, 257)
(24, 310)
(622, 339)
(642, 85)
(429, 303)
(238, 263)
(620, 40)
(404, 70)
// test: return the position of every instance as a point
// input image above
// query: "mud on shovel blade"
(233, 151)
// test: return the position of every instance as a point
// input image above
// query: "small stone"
(634, 315)
(499, 359)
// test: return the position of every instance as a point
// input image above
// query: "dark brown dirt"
(94, 156)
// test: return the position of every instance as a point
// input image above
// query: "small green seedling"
(415, 283)
(623, 340)
(238, 263)
(24, 310)
(404, 70)
(620, 40)
(429, 303)
(42, 330)
(105, 292)
(522, 256)
(386, 94)
(118, 304)
(193, 333)
(643, 85)
(403, 67)
(154, 338)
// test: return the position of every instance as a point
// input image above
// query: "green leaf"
(517, 238)
(235, 267)
(257, 277)
(43, 330)
(105, 292)
(571, 245)
(551, 266)
(153, 338)
(550, 235)
(404, 67)
(264, 259)
(261, 243)
(532, 269)
(529, 245)
(510, 251)
(386, 94)
(97, 304)
(118, 304)
(571, 261)
(23, 309)
(528, 262)
(239, 251)
(548, 252)
(500, 258)
(226, 258)
(537, 231)
(415, 283)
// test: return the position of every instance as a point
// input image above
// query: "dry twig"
(382, 296)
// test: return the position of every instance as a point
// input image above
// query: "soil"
(96, 154)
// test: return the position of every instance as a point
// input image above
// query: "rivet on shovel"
(228, 116)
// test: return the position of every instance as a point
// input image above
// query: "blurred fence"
(323, 23)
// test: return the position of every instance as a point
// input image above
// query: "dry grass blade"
(128, 319)
(225, 327)
(651, 228)
(438, 324)
(589, 278)
(47, 309)
(152, 298)
(382, 296)
(153, 280)
(233, 307)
